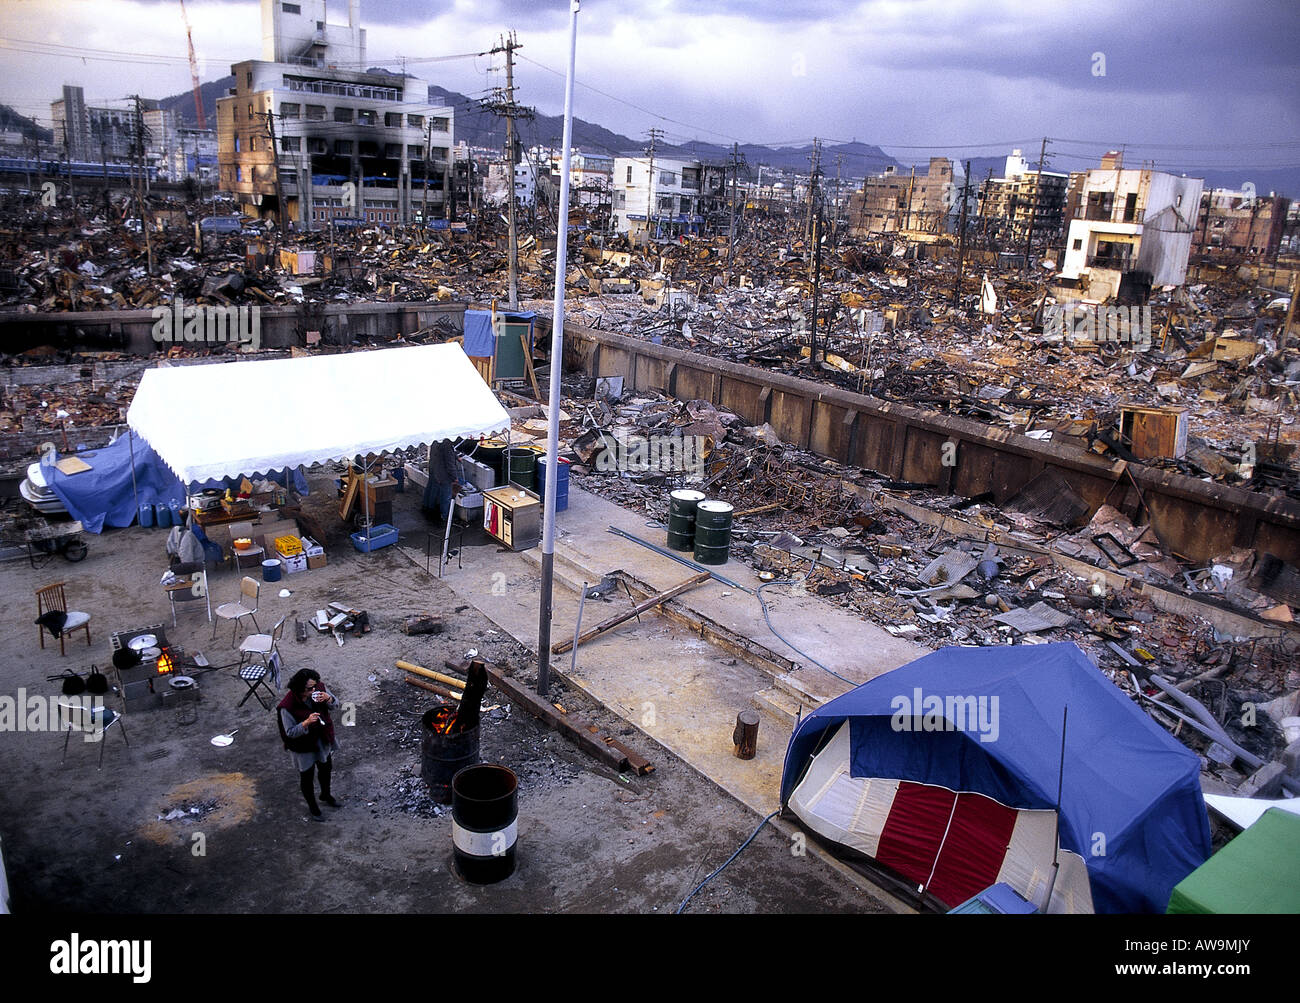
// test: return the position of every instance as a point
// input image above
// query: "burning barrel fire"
(450, 737)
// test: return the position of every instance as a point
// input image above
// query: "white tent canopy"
(247, 418)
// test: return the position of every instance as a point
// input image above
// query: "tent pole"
(135, 490)
(365, 492)
(556, 370)
(1060, 784)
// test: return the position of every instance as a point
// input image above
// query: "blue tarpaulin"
(479, 338)
(1131, 806)
(104, 494)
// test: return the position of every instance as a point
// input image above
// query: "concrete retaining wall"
(1193, 518)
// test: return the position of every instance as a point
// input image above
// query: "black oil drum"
(442, 756)
(681, 518)
(713, 532)
(484, 822)
(492, 452)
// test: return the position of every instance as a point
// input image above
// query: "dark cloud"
(1164, 47)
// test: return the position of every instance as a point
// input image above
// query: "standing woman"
(308, 734)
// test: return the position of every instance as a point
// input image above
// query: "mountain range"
(481, 128)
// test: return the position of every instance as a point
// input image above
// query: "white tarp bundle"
(245, 418)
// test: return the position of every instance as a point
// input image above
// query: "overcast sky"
(1204, 83)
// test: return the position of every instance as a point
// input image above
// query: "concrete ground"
(659, 674)
(80, 839)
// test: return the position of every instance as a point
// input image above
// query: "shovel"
(221, 741)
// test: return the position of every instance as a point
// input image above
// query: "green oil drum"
(713, 532)
(522, 466)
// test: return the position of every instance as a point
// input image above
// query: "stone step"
(798, 691)
(780, 705)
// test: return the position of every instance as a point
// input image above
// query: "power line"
(630, 104)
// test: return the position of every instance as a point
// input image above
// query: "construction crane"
(194, 71)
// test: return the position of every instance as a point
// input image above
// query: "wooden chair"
(249, 588)
(50, 599)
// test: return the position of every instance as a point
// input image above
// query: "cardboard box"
(266, 532)
(316, 561)
(292, 565)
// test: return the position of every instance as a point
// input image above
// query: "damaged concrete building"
(678, 199)
(307, 120)
(1021, 199)
(1134, 232)
(1240, 224)
(892, 203)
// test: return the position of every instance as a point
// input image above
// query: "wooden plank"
(655, 600)
(528, 364)
(349, 496)
(552, 718)
(72, 465)
(438, 677)
(442, 691)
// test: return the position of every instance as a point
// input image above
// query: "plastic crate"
(382, 535)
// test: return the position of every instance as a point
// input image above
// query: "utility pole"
(986, 190)
(816, 282)
(503, 104)
(655, 135)
(275, 164)
(816, 160)
(1033, 208)
(815, 221)
(142, 193)
(961, 237)
(103, 163)
(424, 211)
(814, 200)
(911, 181)
(835, 223)
(67, 159)
(731, 227)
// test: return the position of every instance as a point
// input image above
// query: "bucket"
(713, 532)
(523, 466)
(561, 481)
(484, 822)
(146, 514)
(443, 756)
(681, 518)
(270, 571)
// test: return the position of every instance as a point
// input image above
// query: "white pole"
(556, 369)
